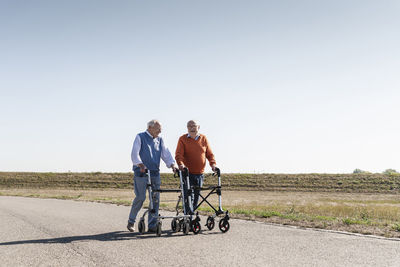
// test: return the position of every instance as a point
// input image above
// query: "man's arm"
(166, 155)
(135, 153)
(180, 153)
(210, 156)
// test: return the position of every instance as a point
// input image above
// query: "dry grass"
(377, 214)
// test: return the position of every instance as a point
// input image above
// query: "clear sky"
(277, 86)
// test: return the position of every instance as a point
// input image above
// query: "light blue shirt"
(197, 137)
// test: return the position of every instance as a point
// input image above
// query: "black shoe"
(152, 230)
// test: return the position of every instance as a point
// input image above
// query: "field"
(362, 203)
(352, 183)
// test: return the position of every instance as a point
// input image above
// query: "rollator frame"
(184, 222)
(224, 222)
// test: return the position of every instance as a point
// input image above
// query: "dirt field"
(311, 182)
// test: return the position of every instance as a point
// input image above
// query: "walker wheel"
(158, 229)
(224, 225)
(141, 226)
(210, 223)
(185, 227)
(195, 226)
(174, 225)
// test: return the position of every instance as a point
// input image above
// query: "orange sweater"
(193, 153)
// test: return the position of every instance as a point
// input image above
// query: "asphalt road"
(49, 232)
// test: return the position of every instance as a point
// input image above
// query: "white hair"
(152, 123)
(193, 121)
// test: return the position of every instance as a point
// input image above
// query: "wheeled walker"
(224, 221)
(182, 222)
(194, 223)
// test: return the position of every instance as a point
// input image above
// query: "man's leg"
(186, 196)
(140, 192)
(155, 184)
(196, 180)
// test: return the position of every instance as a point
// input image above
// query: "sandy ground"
(230, 198)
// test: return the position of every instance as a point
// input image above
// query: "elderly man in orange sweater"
(192, 151)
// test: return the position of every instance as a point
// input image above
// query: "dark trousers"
(195, 180)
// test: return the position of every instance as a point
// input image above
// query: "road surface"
(50, 232)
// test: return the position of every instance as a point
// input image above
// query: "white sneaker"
(131, 227)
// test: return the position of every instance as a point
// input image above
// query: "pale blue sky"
(277, 86)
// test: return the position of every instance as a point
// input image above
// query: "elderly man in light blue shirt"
(148, 148)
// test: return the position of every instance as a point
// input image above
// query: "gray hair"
(193, 121)
(152, 123)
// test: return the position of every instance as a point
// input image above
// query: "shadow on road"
(111, 236)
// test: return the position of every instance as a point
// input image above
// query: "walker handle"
(217, 172)
(143, 174)
(185, 172)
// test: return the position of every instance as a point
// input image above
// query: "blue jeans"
(140, 186)
(197, 181)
